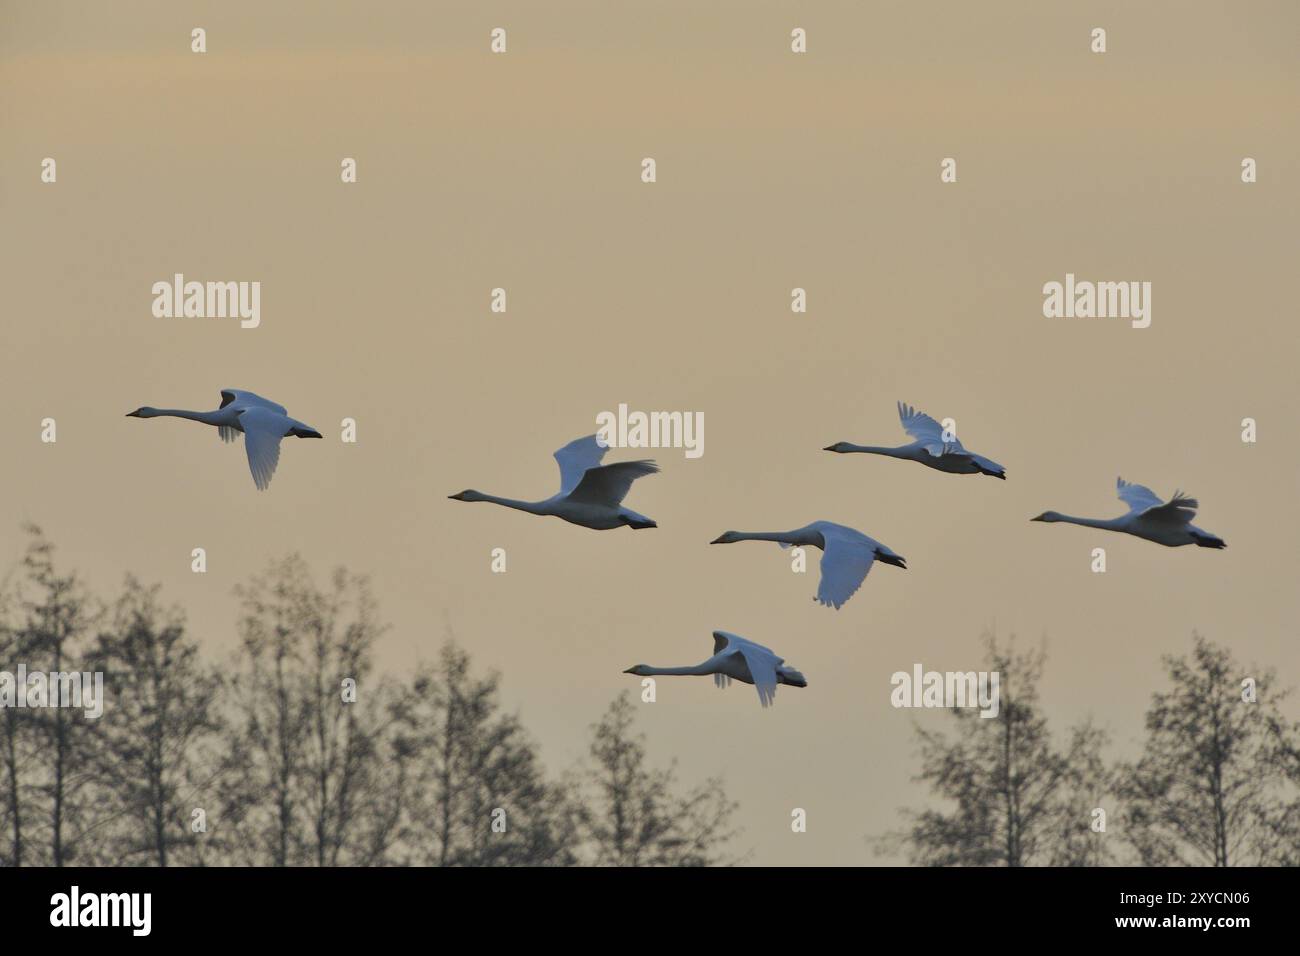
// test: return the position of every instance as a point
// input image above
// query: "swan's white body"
(263, 423)
(590, 495)
(847, 555)
(930, 448)
(735, 658)
(1164, 522)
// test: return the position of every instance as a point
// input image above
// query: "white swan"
(930, 448)
(847, 555)
(735, 657)
(1164, 522)
(590, 494)
(263, 423)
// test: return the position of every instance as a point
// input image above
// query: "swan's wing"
(575, 458)
(722, 640)
(227, 433)
(263, 430)
(1138, 497)
(1178, 510)
(609, 484)
(762, 668)
(845, 563)
(1144, 502)
(249, 399)
(926, 430)
(761, 661)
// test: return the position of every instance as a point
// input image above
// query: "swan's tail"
(987, 466)
(1204, 540)
(636, 522)
(788, 675)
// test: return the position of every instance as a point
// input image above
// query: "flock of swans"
(591, 495)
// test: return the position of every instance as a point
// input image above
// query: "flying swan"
(847, 555)
(263, 423)
(591, 494)
(930, 448)
(1164, 522)
(735, 657)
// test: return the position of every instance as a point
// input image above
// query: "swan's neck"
(784, 537)
(207, 418)
(675, 671)
(1105, 524)
(532, 507)
(876, 450)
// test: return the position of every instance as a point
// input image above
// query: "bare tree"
(632, 814)
(155, 745)
(16, 735)
(481, 795)
(322, 780)
(47, 749)
(1019, 800)
(1284, 823)
(1213, 786)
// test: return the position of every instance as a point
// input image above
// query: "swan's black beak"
(830, 448)
(629, 670)
(135, 414)
(1038, 518)
(896, 560)
(718, 539)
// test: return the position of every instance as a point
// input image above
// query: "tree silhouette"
(16, 736)
(155, 754)
(47, 749)
(1284, 824)
(1019, 800)
(631, 814)
(481, 797)
(319, 783)
(1213, 786)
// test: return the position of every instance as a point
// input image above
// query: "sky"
(775, 171)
